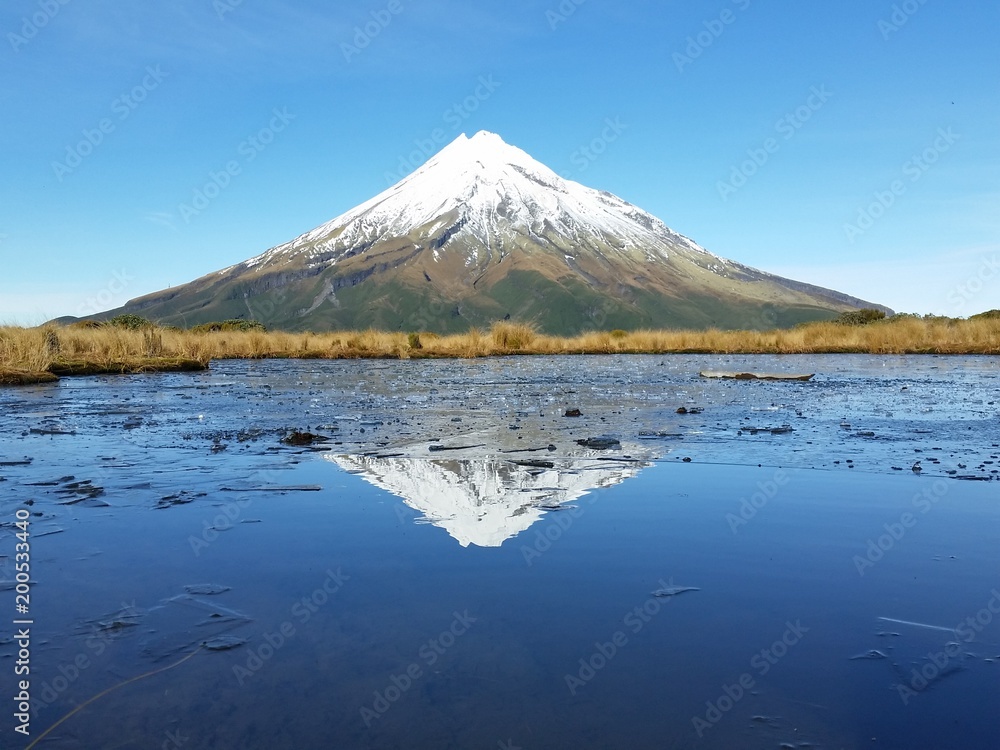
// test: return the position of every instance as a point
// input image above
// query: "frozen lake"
(448, 567)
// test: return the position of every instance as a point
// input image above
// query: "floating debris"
(114, 623)
(917, 624)
(534, 464)
(756, 375)
(669, 591)
(47, 532)
(206, 589)
(781, 430)
(180, 498)
(223, 643)
(436, 448)
(549, 448)
(871, 654)
(771, 721)
(602, 442)
(83, 492)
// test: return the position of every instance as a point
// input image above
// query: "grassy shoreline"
(35, 355)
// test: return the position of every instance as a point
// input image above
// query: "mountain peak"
(484, 151)
(484, 137)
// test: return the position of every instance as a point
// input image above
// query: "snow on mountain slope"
(490, 191)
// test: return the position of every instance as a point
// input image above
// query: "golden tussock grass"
(77, 349)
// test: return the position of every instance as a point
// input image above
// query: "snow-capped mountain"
(484, 502)
(497, 197)
(483, 231)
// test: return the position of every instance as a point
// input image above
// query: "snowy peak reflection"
(486, 501)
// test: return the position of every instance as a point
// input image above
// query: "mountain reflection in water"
(486, 501)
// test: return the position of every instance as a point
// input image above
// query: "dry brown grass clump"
(509, 336)
(27, 353)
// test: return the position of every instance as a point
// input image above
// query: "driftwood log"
(756, 375)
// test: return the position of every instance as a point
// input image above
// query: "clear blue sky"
(848, 94)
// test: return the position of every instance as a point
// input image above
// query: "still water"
(449, 568)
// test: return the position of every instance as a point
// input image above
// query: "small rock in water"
(303, 438)
(691, 410)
